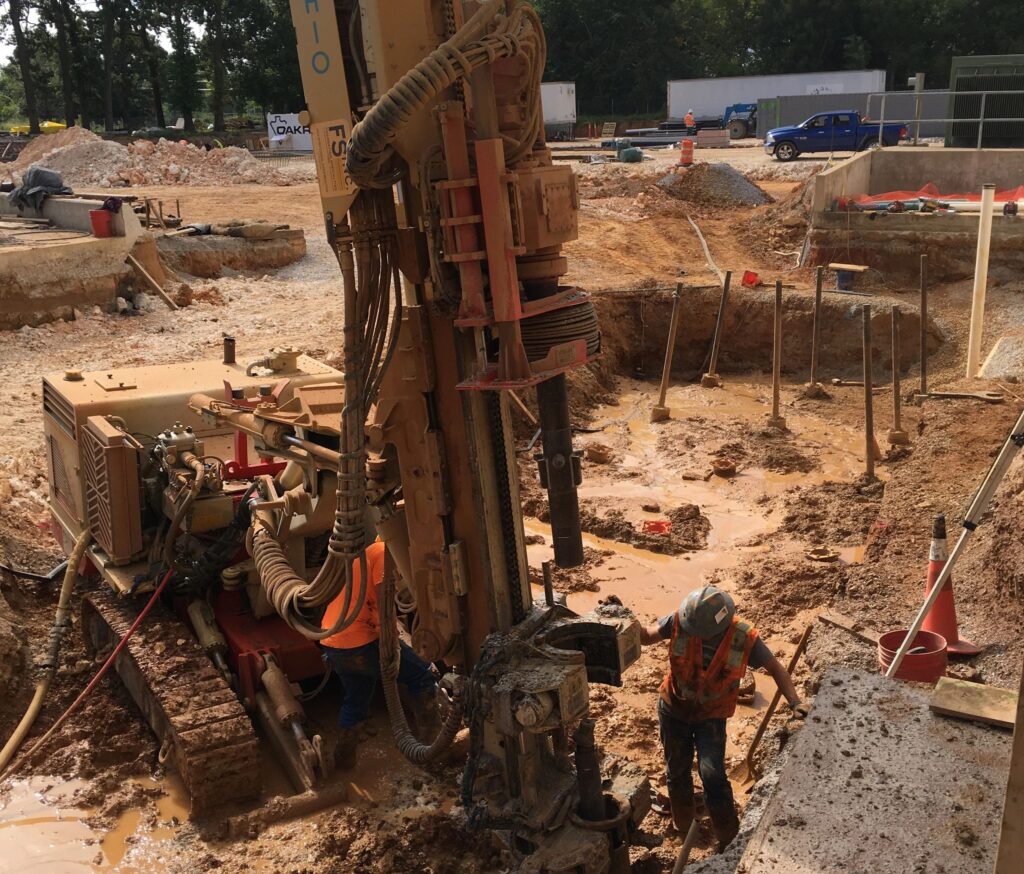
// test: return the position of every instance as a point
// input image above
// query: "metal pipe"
(924, 326)
(981, 119)
(776, 420)
(588, 774)
(716, 343)
(320, 453)
(897, 436)
(560, 471)
(229, 350)
(660, 411)
(816, 326)
(988, 193)
(869, 413)
(549, 589)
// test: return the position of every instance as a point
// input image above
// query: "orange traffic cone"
(941, 619)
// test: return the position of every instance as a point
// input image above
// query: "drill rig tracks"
(200, 723)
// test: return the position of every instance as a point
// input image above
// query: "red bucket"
(921, 667)
(102, 222)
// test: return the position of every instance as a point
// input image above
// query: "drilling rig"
(244, 492)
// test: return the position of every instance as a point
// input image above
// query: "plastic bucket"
(921, 667)
(102, 222)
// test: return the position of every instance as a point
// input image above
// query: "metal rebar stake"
(660, 412)
(897, 436)
(776, 420)
(711, 379)
(869, 412)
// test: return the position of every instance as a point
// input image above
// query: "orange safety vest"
(694, 693)
(366, 627)
(689, 121)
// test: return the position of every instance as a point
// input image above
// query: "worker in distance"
(709, 651)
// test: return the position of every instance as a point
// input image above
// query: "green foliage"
(620, 54)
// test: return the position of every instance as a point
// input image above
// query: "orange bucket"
(102, 221)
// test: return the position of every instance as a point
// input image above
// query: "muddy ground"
(793, 490)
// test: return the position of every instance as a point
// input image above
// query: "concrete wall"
(72, 213)
(906, 168)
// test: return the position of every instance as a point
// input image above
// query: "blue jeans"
(359, 671)
(680, 739)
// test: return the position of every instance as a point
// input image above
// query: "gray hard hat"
(706, 612)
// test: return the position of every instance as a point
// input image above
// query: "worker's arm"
(785, 683)
(650, 634)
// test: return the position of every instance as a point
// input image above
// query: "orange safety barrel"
(686, 153)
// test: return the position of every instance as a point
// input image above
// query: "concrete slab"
(875, 782)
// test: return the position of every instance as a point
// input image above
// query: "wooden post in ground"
(659, 412)
(869, 413)
(776, 420)
(897, 436)
(924, 326)
(711, 379)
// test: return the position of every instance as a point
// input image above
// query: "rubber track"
(184, 698)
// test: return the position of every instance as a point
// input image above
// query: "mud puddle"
(43, 830)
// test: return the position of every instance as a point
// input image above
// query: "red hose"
(103, 670)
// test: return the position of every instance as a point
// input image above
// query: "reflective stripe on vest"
(696, 693)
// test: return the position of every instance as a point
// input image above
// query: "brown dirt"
(841, 513)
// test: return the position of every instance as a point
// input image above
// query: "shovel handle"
(770, 712)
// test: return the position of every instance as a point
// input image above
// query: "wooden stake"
(924, 327)
(776, 420)
(897, 436)
(816, 327)
(869, 413)
(659, 413)
(711, 379)
(525, 410)
(152, 282)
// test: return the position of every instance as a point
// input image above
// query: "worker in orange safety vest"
(354, 655)
(709, 652)
(690, 122)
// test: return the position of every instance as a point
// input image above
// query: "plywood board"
(974, 701)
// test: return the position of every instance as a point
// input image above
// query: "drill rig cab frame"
(447, 216)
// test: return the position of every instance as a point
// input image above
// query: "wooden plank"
(847, 623)
(974, 701)
(152, 282)
(853, 268)
(1011, 838)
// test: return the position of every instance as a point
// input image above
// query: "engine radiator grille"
(110, 471)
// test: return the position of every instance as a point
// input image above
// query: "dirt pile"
(713, 185)
(833, 512)
(12, 657)
(688, 530)
(83, 158)
(577, 579)
(783, 225)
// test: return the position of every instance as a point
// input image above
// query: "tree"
(183, 73)
(23, 57)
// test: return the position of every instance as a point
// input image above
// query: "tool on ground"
(684, 851)
(750, 774)
(942, 617)
(869, 412)
(660, 412)
(897, 436)
(776, 420)
(972, 518)
(924, 326)
(711, 379)
(989, 397)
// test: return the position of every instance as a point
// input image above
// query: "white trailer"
(558, 102)
(708, 98)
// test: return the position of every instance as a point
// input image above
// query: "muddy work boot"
(726, 824)
(345, 749)
(427, 715)
(684, 809)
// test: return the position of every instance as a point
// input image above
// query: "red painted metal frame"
(239, 467)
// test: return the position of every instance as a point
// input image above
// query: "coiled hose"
(52, 657)
(518, 34)
(390, 654)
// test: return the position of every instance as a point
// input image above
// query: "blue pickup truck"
(842, 131)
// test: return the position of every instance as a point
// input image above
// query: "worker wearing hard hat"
(709, 653)
(354, 655)
(690, 121)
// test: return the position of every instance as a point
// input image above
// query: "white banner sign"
(286, 134)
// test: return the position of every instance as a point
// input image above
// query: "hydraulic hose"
(102, 671)
(52, 658)
(390, 653)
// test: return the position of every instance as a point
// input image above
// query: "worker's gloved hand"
(799, 710)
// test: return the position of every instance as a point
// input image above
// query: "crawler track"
(189, 706)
